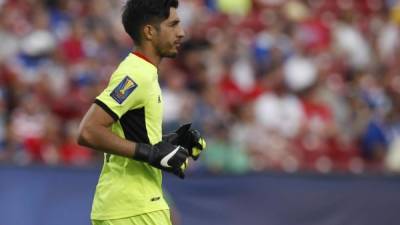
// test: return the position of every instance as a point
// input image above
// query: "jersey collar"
(140, 55)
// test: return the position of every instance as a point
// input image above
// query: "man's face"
(170, 35)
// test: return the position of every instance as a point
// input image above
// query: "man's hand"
(189, 139)
(164, 156)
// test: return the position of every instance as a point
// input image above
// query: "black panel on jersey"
(133, 124)
(107, 109)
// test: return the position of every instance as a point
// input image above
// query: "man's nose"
(181, 33)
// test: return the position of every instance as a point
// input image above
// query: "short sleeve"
(123, 93)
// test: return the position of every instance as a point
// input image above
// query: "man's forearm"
(162, 155)
(102, 139)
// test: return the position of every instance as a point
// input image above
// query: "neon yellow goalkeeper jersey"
(133, 98)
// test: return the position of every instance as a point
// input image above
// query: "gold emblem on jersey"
(128, 84)
(123, 90)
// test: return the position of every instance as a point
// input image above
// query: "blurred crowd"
(309, 85)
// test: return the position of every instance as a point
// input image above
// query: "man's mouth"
(177, 44)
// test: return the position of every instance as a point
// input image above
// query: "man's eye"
(173, 24)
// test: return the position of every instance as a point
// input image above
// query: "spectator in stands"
(28, 129)
(224, 156)
(177, 100)
(70, 152)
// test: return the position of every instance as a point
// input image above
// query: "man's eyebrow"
(175, 21)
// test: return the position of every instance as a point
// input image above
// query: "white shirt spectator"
(299, 73)
(388, 40)
(280, 113)
(353, 44)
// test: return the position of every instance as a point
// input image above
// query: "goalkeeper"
(125, 123)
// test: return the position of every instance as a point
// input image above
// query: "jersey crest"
(123, 90)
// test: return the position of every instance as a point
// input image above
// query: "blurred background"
(288, 93)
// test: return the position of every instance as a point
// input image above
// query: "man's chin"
(170, 55)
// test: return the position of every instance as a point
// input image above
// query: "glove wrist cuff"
(142, 152)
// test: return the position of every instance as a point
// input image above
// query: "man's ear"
(148, 32)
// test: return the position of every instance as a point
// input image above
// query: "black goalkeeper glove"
(188, 138)
(164, 156)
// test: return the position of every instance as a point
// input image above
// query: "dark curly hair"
(137, 13)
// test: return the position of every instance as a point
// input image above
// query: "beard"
(167, 51)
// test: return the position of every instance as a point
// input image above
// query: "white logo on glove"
(164, 161)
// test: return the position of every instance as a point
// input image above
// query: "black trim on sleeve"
(107, 109)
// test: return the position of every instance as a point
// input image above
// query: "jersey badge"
(123, 90)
